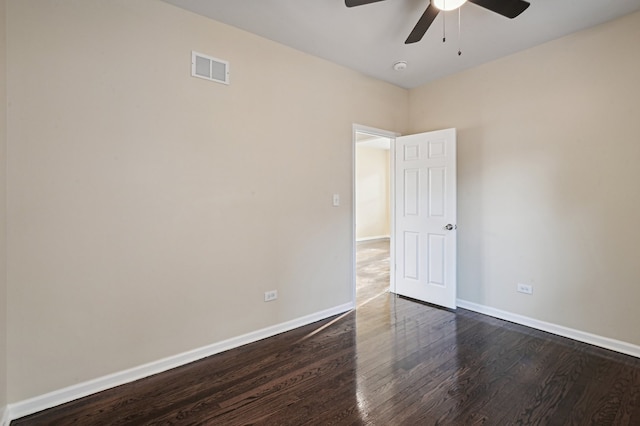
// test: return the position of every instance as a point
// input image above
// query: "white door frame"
(392, 167)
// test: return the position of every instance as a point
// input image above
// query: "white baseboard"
(377, 237)
(4, 416)
(581, 336)
(61, 396)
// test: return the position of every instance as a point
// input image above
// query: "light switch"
(336, 200)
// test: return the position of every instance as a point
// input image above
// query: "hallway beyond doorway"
(372, 269)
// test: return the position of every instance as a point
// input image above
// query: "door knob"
(449, 227)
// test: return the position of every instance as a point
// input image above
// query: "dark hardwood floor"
(391, 362)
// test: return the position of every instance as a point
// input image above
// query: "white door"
(425, 217)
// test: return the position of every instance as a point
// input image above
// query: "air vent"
(209, 68)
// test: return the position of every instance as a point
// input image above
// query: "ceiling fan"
(507, 8)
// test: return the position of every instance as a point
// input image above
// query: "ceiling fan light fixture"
(447, 5)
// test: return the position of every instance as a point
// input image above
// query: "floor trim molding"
(581, 336)
(375, 237)
(33, 405)
(4, 416)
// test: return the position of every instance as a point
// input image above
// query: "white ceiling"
(370, 38)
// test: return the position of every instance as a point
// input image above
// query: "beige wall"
(148, 211)
(3, 208)
(548, 152)
(372, 192)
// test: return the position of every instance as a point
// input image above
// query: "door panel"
(411, 255)
(435, 257)
(425, 250)
(411, 192)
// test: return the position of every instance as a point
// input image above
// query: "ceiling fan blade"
(423, 24)
(352, 3)
(508, 8)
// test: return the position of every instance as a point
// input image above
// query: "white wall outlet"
(270, 295)
(336, 200)
(524, 288)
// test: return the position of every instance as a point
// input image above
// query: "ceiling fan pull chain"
(459, 30)
(444, 35)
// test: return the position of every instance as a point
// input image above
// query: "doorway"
(413, 202)
(373, 212)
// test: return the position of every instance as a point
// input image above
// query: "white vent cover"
(209, 68)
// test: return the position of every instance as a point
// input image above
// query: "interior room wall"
(548, 178)
(3, 209)
(372, 192)
(149, 211)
